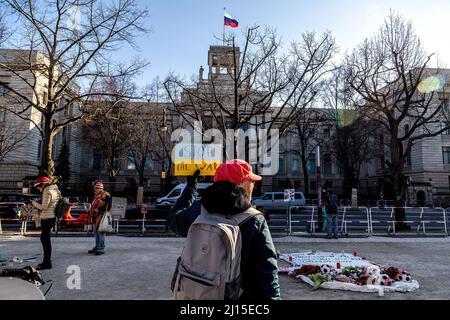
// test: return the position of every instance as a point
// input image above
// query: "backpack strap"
(243, 217)
(238, 219)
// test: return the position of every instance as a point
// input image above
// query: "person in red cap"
(50, 197)
(101, 204)
(230, 195)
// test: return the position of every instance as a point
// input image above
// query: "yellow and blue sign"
(188, 158)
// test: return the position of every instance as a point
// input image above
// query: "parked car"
(77, 215)
(275, 201)
(171, 198)
(10, 203)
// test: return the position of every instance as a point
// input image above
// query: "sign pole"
(319, 182)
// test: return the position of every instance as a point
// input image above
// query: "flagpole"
(223, 35)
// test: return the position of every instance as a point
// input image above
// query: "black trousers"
(46, 228)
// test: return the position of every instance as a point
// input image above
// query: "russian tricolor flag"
(229, 21)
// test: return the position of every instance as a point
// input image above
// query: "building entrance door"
(421, 198)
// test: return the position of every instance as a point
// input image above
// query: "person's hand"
(193, 180)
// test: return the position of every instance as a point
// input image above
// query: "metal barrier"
(141, 223)
(381, 220)
(351, 216)
(431, 217)
(348, 220)
(302, 218)
(23, 225)
(416, 218)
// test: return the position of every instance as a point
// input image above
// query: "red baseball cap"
(42, 180)
(236, 171)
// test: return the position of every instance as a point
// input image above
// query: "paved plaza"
(137, 268)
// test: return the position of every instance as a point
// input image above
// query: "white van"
(275, 200)
(171, 198)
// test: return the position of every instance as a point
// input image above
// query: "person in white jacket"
(50, 198)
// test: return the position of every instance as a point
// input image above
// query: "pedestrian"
(332, 214)
(321, 213)
(231, 195)
(101, 204)
(47, 217)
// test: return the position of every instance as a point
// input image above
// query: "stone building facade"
(20, 166)
(428, 166)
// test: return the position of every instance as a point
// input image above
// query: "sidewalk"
(141, 268)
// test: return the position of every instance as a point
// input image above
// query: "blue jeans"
(99, 240)
(332, 224)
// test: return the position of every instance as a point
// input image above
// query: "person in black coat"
(229, 195)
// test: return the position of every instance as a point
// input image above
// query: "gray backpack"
(209, 266)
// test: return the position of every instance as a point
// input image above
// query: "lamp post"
(319, 182)
(163, 130)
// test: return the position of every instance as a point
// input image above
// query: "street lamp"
(163, 130)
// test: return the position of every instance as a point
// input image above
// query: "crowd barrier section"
(278, 219)
(355, 219)
(381, 219)
(433, 219)
(303, 218)
(22, 228)
(139, 223)
(422, 220)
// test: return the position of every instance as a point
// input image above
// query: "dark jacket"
(259, 269)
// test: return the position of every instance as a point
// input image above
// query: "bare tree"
(67, 47)
(108, 126)
(11, 138)
(3, 29)
(251, 79)
(148, 143)
(352, 141)
(150, 131)
(307, 129)
(389, 73)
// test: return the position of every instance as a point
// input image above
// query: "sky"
(183, 30)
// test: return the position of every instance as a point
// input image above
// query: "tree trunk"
(305, 176)
(112, 180)
(141, 171)
(397, 182)
(47, 163)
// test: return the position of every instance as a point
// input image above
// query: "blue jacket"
(259, 268)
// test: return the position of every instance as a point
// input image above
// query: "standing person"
(332, 214)
(50, 197)
(230, 195)
(101, 204)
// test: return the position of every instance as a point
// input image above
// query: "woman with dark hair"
(50, 198)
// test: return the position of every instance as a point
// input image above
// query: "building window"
(312, 164)
(282, 167)
(313, 186)
(326, 132)
(207, 122)
(327, 165)
(446, 155)
(445, 126)
(406, 129)
(97, 161)
(408, 159)
(3, 90)
(39, 153)
(295, 166)
(149, 164)
(445, 105)
(131, 165)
